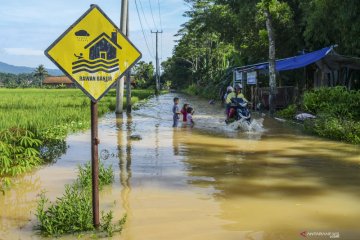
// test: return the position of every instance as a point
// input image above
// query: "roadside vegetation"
(337, 112)
(72, 213)
(35, 122)
(220, 35)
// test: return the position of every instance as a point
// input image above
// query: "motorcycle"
(241, 110)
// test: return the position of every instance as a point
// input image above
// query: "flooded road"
(205, 182)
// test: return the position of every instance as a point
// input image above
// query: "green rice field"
(41, 109)
(35, 122)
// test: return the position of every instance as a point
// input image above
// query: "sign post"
(95, 162)
(238, 77)
(251, 78)
(94, 54)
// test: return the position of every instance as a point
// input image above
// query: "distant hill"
(7, 68)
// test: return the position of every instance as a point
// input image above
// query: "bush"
(19, 152)
(72, 212)
(288, 112)
(337, 102)
(209, 91)
(84, 180)
(192, 90)
(68, 214)
(334, 128)
(338, 113)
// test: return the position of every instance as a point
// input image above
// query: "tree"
(144, 74)
(222, 34)
(332, 22)
(268, 9)
(40, 73)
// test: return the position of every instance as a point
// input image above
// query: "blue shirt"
(176, 110)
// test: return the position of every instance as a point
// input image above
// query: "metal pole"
(95, 163)
(128, 74)
(120, 84)
(157, 65)
(157, 90)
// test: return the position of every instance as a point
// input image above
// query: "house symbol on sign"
(103, 47)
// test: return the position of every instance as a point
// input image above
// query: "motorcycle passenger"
(229, 90)
(230, 97)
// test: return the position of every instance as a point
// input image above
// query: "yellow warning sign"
(93, 53)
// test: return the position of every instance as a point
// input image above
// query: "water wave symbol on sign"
(102, 55)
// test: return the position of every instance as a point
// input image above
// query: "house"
(58, 81)
(321, 68)
(103, 47)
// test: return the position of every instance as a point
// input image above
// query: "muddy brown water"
(205, 182)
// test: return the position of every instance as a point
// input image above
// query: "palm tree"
(40, 73)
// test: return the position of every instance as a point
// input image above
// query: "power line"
(152, 15)
(161, 36)
(143, 13)
(147, 23)
(142, 29)
(160, 15)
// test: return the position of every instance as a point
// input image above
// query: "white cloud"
(35, 24)
(23, 52)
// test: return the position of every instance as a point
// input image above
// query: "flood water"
(206, 182)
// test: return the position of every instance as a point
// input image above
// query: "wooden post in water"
(95, 163)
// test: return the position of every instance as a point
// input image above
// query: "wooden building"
(58, 81)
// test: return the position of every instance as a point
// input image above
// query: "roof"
(57, 80)
(298, 61)
(336, 61)
(326, 55)
(103, 35)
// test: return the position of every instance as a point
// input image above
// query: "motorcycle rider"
(230, 97)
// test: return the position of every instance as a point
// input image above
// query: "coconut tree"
(40, 73)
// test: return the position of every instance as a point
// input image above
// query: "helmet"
(229, 89)
(238, 86)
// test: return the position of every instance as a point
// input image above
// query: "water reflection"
(125, 157)
(304, 177)
(277, 167)
(52, 150)
(20, 199)
(175, 140)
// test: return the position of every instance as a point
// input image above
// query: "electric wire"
(160, 15)
(142, 29)
(152, 15)
(147, 23)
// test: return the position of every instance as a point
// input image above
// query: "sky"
(28, 27)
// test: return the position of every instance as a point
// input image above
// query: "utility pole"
(157, 91)
(120, 83)
(128, 74)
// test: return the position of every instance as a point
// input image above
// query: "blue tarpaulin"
(297, 61)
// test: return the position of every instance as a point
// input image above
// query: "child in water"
(176, 112)
(184, 111)
(189, 118)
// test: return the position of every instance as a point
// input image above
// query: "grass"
(72, 213)
(38, 110)
(84, 179)
(46, 116)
